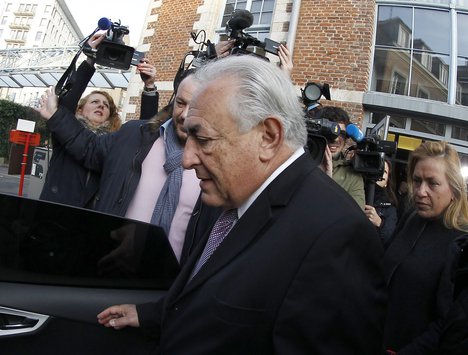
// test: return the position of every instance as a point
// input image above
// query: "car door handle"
(15, 321)
(11, 322)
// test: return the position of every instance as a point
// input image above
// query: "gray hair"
(263, 90)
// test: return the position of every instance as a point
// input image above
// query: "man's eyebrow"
(193, 129)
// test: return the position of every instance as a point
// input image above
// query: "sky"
(131, 13)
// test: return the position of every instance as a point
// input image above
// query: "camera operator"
(334, 162)
(383, 212)
(67, 181)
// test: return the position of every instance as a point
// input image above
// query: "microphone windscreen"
(241, 19)
(354, 133)
(104, 23)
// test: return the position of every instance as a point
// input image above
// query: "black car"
(60, 266)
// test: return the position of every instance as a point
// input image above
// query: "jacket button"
(176, 308)
(119, 201)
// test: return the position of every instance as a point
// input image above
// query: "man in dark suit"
(299, 270)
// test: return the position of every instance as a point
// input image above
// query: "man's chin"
(210, 200)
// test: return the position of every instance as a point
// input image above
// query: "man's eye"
(202, 140)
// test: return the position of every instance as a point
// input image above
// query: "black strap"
(64, 85)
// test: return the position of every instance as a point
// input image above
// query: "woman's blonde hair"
(114, 118)
(455, 215)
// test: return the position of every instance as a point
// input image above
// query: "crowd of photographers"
(140, 171)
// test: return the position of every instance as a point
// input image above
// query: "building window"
(43, 22)
(398, 86)
(47, 9)
(407, 40)
(4, 20)
(462, 60)
(429, 127)
(38, 36)
(8, 7)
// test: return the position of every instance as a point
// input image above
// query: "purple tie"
(221, 228)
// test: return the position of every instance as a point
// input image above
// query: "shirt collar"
(243, 208)
(163, 128)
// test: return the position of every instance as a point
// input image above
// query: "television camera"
(235, 26)
(369, 157)
(112, 52)
(319, 130)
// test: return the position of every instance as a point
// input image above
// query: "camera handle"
(370, 191)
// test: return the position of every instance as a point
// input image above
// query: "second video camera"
(240, 20)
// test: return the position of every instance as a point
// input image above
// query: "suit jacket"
(300, 272)
(418, 270)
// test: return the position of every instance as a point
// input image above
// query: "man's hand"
(285, 59)
(373, 216)
(93, 43)
(147, 72)
(119, 317)
(223, 48)
(48, 104)
(96, 39)
(327, 162)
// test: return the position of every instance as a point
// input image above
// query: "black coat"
(117, 156)
(454, 337)
(419, 283)
(387, 212)
(299, 273)
(67, 181)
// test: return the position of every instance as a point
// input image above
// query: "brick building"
(401, 59)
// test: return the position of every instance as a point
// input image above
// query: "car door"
(60, 266)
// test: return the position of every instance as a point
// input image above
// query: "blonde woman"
(416, 261)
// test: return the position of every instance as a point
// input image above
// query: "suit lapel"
(247, 229)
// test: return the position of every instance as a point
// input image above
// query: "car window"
(53, 244)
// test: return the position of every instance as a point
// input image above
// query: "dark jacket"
(454, 337)
(67, 181)
(117, 156)
(419, 285)
(299, 273)
(387, 212)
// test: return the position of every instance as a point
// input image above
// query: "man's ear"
(272, 135)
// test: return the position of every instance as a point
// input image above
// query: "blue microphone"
(354, 133)
(104, 23)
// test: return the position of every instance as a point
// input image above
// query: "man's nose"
(184, 112)
(189, 158)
